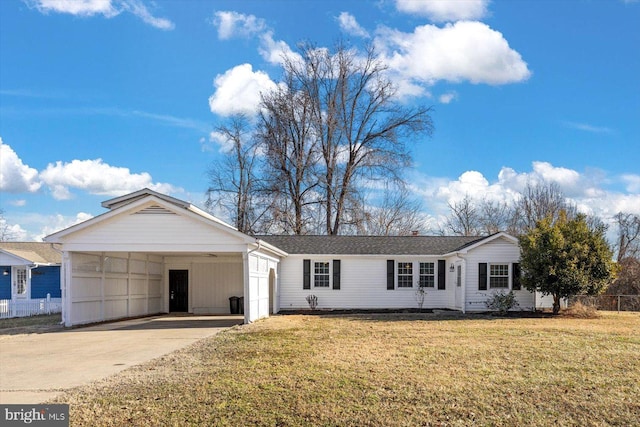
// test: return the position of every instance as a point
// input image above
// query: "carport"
(151, 253)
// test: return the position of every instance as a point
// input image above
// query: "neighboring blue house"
(29, 271)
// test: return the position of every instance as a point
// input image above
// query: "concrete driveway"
(37, 367)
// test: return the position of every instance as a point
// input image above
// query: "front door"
(459, 286)
(178, 290)
(20, 279)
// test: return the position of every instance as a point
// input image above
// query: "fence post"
(48, 307)
(619, 303)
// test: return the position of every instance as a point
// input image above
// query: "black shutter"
(306, 274)
(482, 276)
(442, 267)
(390, 274)
(515, 279)
(336, 274)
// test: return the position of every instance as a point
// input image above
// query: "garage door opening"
(178, 291)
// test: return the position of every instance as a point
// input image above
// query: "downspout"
(259, 242)
(464, 283)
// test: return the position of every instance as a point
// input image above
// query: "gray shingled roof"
(370, 245)
(37, 252)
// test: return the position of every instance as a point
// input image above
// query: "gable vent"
(154, 210)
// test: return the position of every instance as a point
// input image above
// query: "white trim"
(191, 212)
(313, 273)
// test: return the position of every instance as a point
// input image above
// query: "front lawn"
(386, 370)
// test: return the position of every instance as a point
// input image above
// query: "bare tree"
(465, 218)
(6, 234)
(539, 201)
(286, 132)
(233, 180)
(628, 247)
(359, 128)
(495, 216)
(398, 214)
(628, 244)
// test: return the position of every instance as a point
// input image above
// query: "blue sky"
(99, 98)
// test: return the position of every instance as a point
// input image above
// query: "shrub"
(581, 311)
(420, 294)
(313, 301)
(502, 302)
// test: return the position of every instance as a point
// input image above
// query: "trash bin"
(234, 307)
(241, 305)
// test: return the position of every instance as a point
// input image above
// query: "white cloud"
(15, 176)
(60, 222)
(13, 232)
(446, 98)
(140, 10)
(238, 90)
(233, 24)
(276, 52)
(632, 182)
(349, 25)
(588, 127)
(587, 190)
(76, 7)
(96, 177)
(464, 51)
(18, 202)
(107, 8)
(445, 10)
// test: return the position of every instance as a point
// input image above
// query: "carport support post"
(247, 297)
(65, 273)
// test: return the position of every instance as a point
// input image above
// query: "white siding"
(213, 283)
(363, 285)
(139, 232)
(259, 266)
(113, 285)
(500, 251)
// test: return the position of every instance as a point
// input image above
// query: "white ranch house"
(151, 253)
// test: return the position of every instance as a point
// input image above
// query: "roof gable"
(153, 215)
(496, 236)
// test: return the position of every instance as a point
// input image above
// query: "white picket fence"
(30, 307)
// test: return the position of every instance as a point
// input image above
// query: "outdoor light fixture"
(5, 272)
(452, 268)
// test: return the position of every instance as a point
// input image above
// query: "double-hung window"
(321, 274)
(499, 276)
(405, 274)
(427, 274)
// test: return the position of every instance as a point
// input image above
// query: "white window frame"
(433, 275)
(329, 273)
(404, 274)
(500, 276)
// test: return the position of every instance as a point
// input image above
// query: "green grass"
(392, 370)
(31, 322)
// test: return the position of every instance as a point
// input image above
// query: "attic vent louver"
(154, 210)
